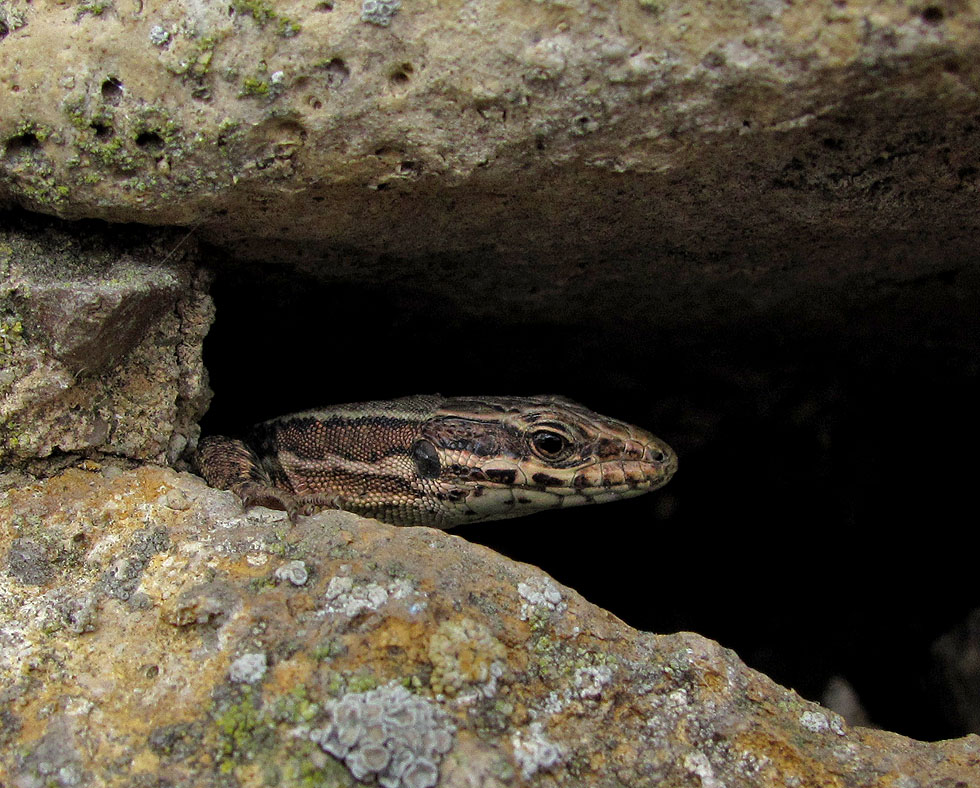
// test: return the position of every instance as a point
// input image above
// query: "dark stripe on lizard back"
(365, 439)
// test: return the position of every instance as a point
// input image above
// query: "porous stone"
(286, 687)
(100, 342)
(756, 147)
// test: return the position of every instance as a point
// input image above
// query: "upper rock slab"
(285, 119)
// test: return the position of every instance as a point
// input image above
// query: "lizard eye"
(549, 445)
(426, 460)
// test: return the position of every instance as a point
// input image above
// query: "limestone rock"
(101, 342)
(148, 634)
(622, 127)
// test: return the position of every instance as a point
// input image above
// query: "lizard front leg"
(229, 464)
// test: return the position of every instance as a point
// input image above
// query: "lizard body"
(439, 461)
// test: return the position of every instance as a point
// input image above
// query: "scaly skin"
(438, 461)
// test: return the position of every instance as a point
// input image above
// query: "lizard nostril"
(657, 455)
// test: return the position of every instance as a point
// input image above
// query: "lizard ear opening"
(426, 459)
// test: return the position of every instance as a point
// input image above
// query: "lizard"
(438, 461)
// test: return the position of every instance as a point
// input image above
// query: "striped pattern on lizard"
(439, 461)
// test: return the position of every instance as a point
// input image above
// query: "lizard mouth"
(644, 467)
(597, 482)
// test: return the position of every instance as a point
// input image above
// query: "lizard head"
(490, 458)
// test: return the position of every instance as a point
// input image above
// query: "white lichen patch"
(350, 598)
(697, 763)
(465, 652)
(814, 721)
(344, 597)
(818, 722)
(533, 752)
(541, 597)
(294, 572)
(388, 736)
(248, 668)
(590, 681)
(379, 12)
(159, 35)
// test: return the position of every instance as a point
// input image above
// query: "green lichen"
(155, 120)
(259, 10)
(10, 18)
(263, 13)
(299, 767)
(93, 7)
(37, 181)
(11, 333)
(555, 660)
(276, 544)
(342, 552)
(333, 682)
(29, 127)
(398, 571)
(199, 67)
(328, 649)
(540, 620)
(259, 584)
(295, 708)
(243, 731)
(287, 28)
(252, 87)
(198, 63)
(362, 683)
(111, 153)
(74, 108)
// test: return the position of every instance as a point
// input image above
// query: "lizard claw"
(252, 494)
(309, 504)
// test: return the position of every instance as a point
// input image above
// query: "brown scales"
(438, 461)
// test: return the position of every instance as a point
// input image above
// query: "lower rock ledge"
(152, 633)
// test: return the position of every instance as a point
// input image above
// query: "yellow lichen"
(463, 652)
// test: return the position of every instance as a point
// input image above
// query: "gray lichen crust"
(379, 12)
(200, 669)
(388, 735)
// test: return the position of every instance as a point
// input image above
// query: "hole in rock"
(817, 522)
(337, 72)
(149, 140)
(112, 90)
(19, 143)
(933, 14)
(402, 75)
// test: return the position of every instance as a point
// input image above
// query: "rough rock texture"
(589, 147)
(153, 633)
(101, 342)
(554, 195)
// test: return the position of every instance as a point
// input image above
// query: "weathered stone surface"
(149, 632)
(101, 342)
(725, 134)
